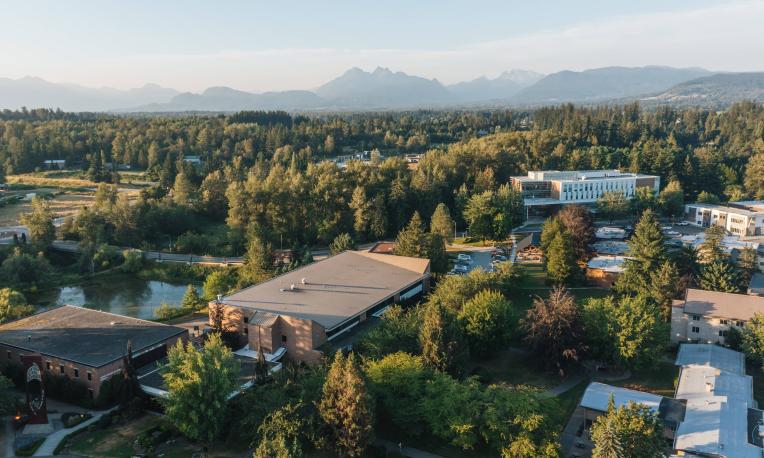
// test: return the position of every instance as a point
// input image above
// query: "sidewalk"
(51, 442)
(407, 451)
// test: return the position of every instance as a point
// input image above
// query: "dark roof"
(84, 336)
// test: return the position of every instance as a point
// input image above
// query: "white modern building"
(744, 218)
(551, 188)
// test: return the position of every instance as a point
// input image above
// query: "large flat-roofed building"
(83, 344)
(707, 316)
(552, 188)
(721, 417)
(741, 218)
(304, 308)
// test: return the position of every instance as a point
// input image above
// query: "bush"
(30, 448)
(133, 261)
(72, 419)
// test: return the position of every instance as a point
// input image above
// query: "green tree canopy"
(672, 199)
(631, 431)
(561, 264)
(39, 221)
(443, 346)
(720, 276)
(441, 222)
(612, 205)
(199, 382)
(13, 305)
(345, 407)
(342, 242)
(579, 223)
(488, 321)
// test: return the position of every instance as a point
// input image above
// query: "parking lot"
(476, 257)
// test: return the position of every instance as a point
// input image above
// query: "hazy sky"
(259, 46)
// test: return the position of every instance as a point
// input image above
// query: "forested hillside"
(264, 173)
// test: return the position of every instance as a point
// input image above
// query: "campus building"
(712, 414)
(545, 191)
(744, 218)
(85, 345)
(707, 316)
(301, 310)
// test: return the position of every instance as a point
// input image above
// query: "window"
(76, 373)
(90, 376)
(696, 318)
(246, 319)
(740, 324)
(695, 329)
(47, 365)
(90, 393)
(9, 355)
(724, 321)
(283, 338)
(722, 333)
(61, 368)
(246, 331)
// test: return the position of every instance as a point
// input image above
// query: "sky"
(276, 45)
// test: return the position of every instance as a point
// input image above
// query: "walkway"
(51, 442)
(565, 386)
(407, 451)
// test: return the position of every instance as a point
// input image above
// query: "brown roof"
(334, 289)
(723, 305)
(383, 248)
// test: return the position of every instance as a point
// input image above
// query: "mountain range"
(384, 89)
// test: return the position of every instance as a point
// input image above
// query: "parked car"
(464, 257)
(682, 223)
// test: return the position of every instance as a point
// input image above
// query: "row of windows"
(738, 323)
(49, 367)
(722, 333)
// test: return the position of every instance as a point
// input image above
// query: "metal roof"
(723, 305)
(597, 396)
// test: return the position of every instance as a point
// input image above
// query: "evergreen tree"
(258, 262)
(191, 299)
(549, 230)
(345, 407)
(361, 212)
(411, 240)
(441, 222)
(561, 264)
(707, 198)
(183, 191)
(479, 214)
(663, 287)
(754, 176)
(378, 217)
(719, 276)
(647, 252)
(342, 242)
(710, 249)
(747, 262)
(672, 199)
(488, 321)
(632, 431)
(441, 339)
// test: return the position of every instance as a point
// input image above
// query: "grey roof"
(335, 289)
(756, 286)
(89, 337)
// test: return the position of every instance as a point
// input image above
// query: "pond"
(123, 295)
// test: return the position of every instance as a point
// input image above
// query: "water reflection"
(125, 296)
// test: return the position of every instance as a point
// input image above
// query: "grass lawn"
(535, 285)
(659, 379)
(566, 404)
(118, 441)
(513, 368)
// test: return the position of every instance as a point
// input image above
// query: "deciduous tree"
(199, 382)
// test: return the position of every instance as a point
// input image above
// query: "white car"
(464, 258)
(682, 223)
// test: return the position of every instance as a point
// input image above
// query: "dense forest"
(268, 173)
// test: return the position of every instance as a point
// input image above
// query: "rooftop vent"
(304, 281)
